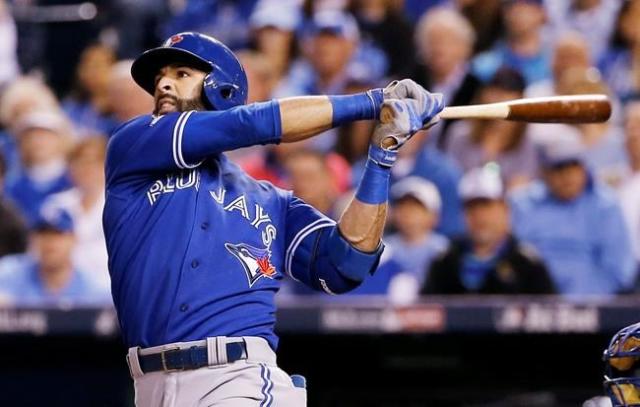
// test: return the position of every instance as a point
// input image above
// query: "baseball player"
(197, 248)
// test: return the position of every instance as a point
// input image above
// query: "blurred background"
(512, 249)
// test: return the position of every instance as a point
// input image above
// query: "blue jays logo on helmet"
(622, 383)
(255, 261)
(225, 85)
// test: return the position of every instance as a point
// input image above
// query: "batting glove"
(428, 105)
(399, 121)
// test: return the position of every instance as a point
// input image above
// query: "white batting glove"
(399, 121)
(428, 105)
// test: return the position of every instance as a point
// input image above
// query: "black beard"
(184, 105)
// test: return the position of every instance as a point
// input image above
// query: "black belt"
(188, 358)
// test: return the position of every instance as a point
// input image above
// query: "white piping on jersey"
(178, 130)
(325, 286)
(299, 237)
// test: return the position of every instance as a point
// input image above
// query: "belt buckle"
(163, 359)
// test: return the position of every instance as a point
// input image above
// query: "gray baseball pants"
(256, 381)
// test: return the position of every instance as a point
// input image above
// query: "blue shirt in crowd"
(433, 165)
(21, 284)
(532, 67)
(584, 242)
(29, 195)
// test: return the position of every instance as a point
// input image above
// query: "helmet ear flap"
(220, 96)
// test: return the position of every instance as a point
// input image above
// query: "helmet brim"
(147, 66)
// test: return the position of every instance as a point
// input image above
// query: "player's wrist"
(374, 185)
(359, 106)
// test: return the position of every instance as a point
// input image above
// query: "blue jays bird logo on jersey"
(255, 261)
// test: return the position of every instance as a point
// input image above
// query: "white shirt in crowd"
(90, 253)
(630, 201)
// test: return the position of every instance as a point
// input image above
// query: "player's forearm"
(362, 224)
(304, 117)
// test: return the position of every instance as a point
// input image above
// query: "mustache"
(173, 98)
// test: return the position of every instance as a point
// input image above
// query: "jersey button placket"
(195, 264)
(184, 307)
(204, 225)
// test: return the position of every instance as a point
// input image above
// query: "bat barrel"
(561, 109)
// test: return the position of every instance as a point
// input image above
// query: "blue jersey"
(197, 248)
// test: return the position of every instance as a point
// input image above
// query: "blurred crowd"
(476, 207)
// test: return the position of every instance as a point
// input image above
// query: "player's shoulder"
(141, 122)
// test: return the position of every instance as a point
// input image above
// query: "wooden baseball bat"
(553, 109)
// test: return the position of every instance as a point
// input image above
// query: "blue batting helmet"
(225, 85)
(622, 356)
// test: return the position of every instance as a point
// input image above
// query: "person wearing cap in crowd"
(576, 225)
(13, 230)
(488, 259)
(473, 143)
(329, 40)
(43, 138)
(47, 276)
(84, 203)
(524, 49)
(273, 26)
(415, 209)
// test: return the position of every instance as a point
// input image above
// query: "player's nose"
(165, 84)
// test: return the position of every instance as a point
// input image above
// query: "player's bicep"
(209, 133)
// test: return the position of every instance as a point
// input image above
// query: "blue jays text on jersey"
(197, 248)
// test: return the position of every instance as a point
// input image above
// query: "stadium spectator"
(261, 75)
(329, 42)
(576, 225)
(423, 160)
(619, 65)
(9, 68)
(48, 276)
(84, 203)
(571, 50)
(593, 19)
(484, 16)
(226, 20)
(22, 96)
(444, 41)
(488, 259)
(415, 207)
(13, 230)
(273, 25)
(311, 180)
(383, 26)
(125, 99)
(88, 103)
(524, 49)
(605, 153)
(477, 142)
(43, 140)
(630, 189)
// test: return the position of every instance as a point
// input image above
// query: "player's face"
(178, 88)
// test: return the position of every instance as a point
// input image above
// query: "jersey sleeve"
(318, 256)
(183, 140)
